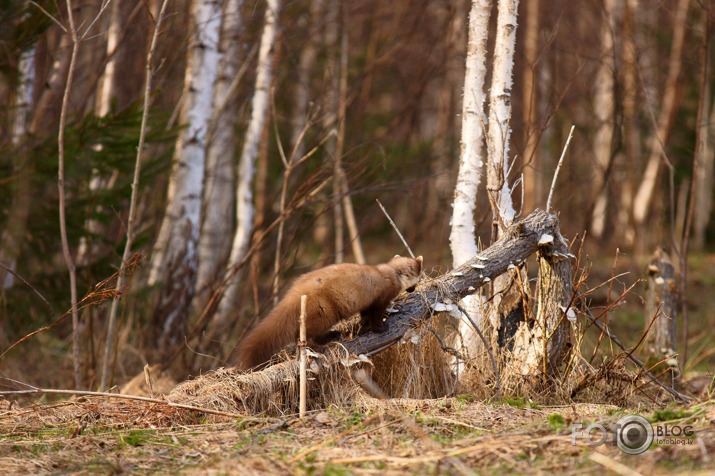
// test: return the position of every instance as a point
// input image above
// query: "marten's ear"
(419, 260)
(396, 256)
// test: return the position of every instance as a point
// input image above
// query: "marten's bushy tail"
(277, 330)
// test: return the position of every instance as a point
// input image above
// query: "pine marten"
(335, 293)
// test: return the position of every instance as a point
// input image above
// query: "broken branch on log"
(520, 241)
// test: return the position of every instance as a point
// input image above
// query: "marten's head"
(408, 271)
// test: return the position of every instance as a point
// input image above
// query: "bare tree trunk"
(66, 252)
(703, 176)
(631, 132)
(244, 199)
(177, 263)
(532, 164)
(39, 123)
(644, 195)
(218, 200)
(105, 91)
(301, 109)
(331, 120)
(11, 237)
(109, 350)
(499, 130)
(462, 238)
(104, 94)
(446, 125)
(498, 134)
(23, 97)
(341, 178)
(604, 107)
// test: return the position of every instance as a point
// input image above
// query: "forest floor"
(440, 436)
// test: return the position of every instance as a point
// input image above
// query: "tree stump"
(660, 316)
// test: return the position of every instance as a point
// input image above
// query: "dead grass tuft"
(274, 390)
(417, 367)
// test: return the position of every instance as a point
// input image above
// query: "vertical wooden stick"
(303, 358)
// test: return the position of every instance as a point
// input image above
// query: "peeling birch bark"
(176, 262)
(462, 238)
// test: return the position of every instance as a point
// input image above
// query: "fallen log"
(273, 388)
(520, 241)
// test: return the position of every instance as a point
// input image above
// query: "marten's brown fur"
(335, 293)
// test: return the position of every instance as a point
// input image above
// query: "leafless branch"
(109, 344)
(61, 188)
(24, 281)
(558, 168)
(37, 390)
(404, 242)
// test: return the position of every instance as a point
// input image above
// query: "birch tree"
(175, 257)
(498, 134)
(106, 82)
(249, 153)
(656, 145)
(218, 199)
(462, 237)
(604, 107)
(499, 130)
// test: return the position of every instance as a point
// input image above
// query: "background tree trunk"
(532, 163)
(12, 236)
(244, 195)
(175, 261)
(219, 199)
(631, 133)
(704, 149)
(462, 238)
(498, 190)
(656, 145)
(499, 130)
(604, 108)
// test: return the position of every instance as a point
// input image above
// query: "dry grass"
(403, 436)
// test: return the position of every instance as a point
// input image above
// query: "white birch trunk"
(644, 195)
(462, 237)
(185, 183)
(498, 135)
(178, 260)
(218, 200)
(106, 82)
(500, 113)
(244, 199)
(23, 97)
(603, 106)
